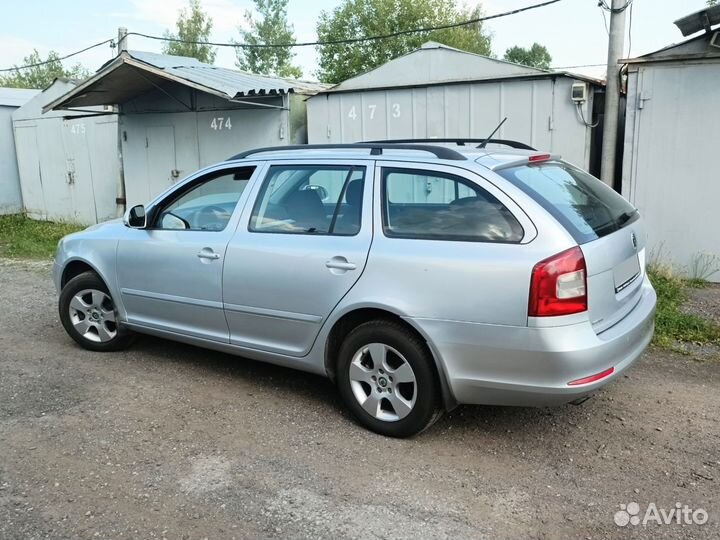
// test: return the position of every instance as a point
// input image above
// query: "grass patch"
(21, 237)
(671, 324)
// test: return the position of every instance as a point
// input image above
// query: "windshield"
(584, 205)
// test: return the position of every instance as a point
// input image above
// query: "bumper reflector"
(592, 378)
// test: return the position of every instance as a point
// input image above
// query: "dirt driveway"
(170, 441)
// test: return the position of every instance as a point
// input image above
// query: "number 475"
(220, 123)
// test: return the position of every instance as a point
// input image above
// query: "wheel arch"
(356, 316)
(74, 268)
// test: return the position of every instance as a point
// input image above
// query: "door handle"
(340, 263)
(209, 254)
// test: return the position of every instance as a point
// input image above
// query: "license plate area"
(626, 273)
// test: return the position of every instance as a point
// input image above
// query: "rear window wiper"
(623, 218)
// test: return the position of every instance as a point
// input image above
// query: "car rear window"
(586, 207)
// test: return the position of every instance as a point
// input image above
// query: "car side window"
(310, 199)
(207, 203)
(438, 206)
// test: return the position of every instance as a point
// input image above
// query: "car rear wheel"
(88, 314)
(386, 378)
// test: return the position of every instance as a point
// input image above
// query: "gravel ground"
(705, 302)
(171, 441)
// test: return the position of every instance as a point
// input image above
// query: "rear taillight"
(558, 285)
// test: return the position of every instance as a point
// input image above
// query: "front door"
(170, 274)
(297, 252)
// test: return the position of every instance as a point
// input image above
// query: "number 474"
(219, 123)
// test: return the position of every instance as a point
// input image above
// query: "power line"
(291, 45)
(348, 40)
(607, 31)
(578, 66)
(17, 68)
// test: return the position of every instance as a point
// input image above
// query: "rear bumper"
(530, 366)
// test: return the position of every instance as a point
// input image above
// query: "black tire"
(426, 409)
(85, 282)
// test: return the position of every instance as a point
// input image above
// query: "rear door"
(299, 249)
(606, 226)
(616, 266)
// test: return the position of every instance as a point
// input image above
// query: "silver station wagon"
(416, 276)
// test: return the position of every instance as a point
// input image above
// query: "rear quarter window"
(432, 205)
(585, 206)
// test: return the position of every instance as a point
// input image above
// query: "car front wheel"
(88, 314)
(386, 378)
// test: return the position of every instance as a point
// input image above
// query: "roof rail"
(461, 142)
(376, 149)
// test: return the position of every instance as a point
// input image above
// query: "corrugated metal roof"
(16, 97)
(133, 73)
(230, 82)
(436, 64)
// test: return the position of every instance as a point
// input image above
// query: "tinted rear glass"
(584, 205)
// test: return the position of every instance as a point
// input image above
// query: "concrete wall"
(670, 165)
(540, 113)
(10, 194)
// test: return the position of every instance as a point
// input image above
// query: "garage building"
(68, 161)
(10, 194)
(669, 170)
(441, 92)
(177, 114)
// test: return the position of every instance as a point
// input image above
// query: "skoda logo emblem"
(633, 239)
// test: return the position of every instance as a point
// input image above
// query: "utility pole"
(121, 199)
(616, 43)
(122, 40)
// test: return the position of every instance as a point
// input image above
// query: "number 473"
(219, 123)
(352, 114)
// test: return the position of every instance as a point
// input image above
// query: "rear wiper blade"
(625, 217)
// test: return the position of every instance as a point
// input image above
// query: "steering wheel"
(212, 218)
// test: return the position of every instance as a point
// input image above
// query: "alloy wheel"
(383, 382)
(93, 315)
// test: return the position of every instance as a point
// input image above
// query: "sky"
(572, 30)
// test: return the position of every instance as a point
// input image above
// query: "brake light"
(558, 285)
(537, 158)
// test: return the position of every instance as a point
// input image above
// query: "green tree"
(364, 18)
(41, 76)
(536, 56)
(192, 25)
(271, 27)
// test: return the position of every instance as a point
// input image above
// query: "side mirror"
(135, 217)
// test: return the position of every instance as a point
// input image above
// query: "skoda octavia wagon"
(415, 276)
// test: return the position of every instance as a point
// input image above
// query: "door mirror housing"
(135, 217)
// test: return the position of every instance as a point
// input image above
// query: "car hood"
(111, 224)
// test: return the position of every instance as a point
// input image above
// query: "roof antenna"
(484, 143)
